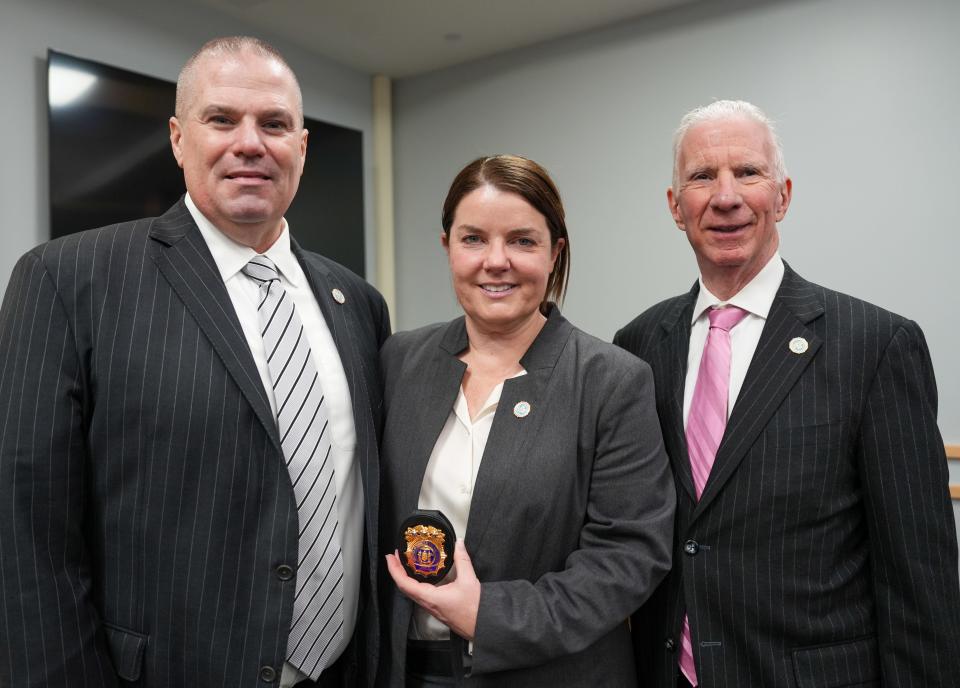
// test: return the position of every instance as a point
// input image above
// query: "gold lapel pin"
(522, 409)
(338, 295)
(799, 345)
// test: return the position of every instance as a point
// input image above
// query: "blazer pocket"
(851, 664)
(126, 649)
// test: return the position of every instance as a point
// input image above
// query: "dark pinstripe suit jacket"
(144, 500)
(823, 551)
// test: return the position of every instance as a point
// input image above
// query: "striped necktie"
(706, 423)
(302, 420)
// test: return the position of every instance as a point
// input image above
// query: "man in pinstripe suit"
(149, 528)
(815, 539)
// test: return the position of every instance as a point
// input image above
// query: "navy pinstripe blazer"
(144, 501)
(823, 552)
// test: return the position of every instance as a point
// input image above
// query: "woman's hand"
(456, 603)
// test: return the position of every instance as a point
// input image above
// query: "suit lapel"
(429, 401)
(510, 433)
(773, 372)
(671, 357)
(186, 263)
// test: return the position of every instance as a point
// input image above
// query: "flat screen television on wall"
(110, 160)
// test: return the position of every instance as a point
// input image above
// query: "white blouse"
(448, 484)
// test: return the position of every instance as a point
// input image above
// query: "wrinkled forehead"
(723, 138)
(243, 71)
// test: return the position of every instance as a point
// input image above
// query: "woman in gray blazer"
(538, 442)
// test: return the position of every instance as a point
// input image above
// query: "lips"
(247, 174)
(498, 290)
(728, 228)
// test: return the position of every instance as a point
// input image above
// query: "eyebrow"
(512, 231)
(275, 113)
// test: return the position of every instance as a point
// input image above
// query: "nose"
(726, 194)
(248, 142)
(496, 259)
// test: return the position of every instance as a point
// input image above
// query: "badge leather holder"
(427, 539)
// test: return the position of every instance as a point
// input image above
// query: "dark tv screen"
(110, 160)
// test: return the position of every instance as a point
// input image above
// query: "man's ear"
(176, 139)
(673, 202)
(786, 193)
(303, 150)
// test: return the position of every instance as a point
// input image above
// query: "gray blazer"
(144, 502)
(823, 551)
(572, 512)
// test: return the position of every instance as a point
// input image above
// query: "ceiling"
(406, 37)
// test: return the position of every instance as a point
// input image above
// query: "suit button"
(284, 573)
(669, 644)
(267, 674)
(691, 547)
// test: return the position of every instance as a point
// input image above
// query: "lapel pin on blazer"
(798, 345)
(338, 295)
(522, 409)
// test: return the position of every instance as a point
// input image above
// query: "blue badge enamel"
(522, 409)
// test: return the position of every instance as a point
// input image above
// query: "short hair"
(728, 109)
(229, 45)
(531, 182)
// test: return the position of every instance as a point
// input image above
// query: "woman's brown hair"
(527, 179)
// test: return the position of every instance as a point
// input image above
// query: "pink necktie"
(705, 425)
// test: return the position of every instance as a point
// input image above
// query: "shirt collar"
(756, 297)
(231, 256)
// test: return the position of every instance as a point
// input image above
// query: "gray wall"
(151, 38)
(865, 93)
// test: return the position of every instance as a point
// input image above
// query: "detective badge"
(427, 539)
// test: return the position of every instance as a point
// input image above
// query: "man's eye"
(700, 177)
(276, 126)
(220, 119)
(471, 239)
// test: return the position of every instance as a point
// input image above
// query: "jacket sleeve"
(624, 543)
(913, 540)
(49, 631)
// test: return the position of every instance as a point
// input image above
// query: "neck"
(726, 282)
(725, 287)
(258, 237)
(505, 344)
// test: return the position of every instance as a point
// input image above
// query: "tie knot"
(261, 269)
(726, 318)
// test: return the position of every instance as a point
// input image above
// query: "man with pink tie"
(815, 542)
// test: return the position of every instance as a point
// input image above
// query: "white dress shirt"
(448, 484)
(230, 258)
(755, 298)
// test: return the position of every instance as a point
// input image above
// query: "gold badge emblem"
(798, 345)
(425, 552)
